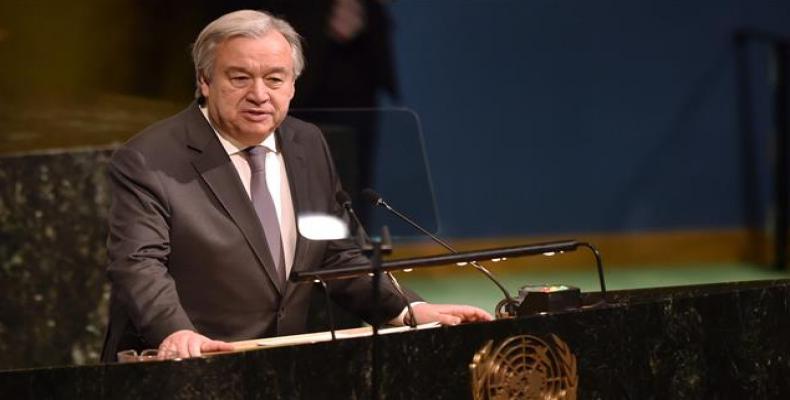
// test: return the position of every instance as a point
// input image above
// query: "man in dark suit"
(203, 219)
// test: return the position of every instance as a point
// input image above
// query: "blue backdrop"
(552, 116)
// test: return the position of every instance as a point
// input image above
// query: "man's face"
(250, 87)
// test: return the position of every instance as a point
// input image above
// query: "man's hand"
(186, 343)
(448, 314)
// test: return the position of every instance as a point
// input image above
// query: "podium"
(708, 341)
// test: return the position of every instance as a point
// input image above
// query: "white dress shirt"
(276, 181)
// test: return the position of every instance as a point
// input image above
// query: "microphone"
(508, 302)
(345, 201)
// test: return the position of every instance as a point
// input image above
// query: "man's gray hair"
(246, 23)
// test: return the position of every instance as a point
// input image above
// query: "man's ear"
(203, 84)
(293, 90)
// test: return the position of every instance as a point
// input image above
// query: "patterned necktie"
(264, 206)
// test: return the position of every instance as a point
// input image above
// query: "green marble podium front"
(702, 342)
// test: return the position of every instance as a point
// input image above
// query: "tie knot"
(257, 157)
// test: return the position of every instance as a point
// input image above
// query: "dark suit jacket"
(187, 250)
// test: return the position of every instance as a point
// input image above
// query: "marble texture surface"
(53, 210)
(720, 341)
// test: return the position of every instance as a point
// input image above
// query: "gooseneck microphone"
(509, 302)
(345, 201)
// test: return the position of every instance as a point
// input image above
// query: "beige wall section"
(618, 249)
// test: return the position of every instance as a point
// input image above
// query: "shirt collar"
(231, 145)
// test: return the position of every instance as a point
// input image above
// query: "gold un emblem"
(524, 367)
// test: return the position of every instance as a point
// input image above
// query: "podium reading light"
(554, 297)
(463, 257)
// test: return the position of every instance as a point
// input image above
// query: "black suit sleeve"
(139, 246)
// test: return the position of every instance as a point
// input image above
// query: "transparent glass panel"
(381, 149)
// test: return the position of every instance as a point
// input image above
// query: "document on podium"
(323, 336)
